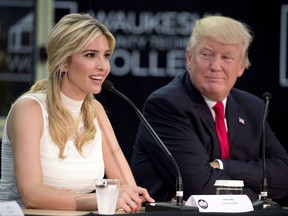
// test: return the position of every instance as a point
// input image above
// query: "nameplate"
(221, 203)
(10, 208)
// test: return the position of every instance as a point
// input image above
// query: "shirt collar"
(211, 103)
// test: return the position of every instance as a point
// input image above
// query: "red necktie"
(221, 129)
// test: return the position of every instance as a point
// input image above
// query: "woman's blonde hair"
(70, 35)
(225, 30)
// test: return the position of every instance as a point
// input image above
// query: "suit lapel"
(205, 116)
(207, 119)
(235, 119)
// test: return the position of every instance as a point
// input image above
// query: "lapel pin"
(241, 120)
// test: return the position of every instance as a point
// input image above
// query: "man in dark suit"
(182, 115)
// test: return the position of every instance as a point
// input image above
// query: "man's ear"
(241, 71)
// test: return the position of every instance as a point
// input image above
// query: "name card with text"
(221, 203)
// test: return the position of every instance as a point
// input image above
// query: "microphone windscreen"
(267, 96)
(107, 85)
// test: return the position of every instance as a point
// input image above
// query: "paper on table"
(10, 208)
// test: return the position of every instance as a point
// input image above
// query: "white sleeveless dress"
(75, 172)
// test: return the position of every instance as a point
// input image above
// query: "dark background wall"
(263, 75)
(150, 53)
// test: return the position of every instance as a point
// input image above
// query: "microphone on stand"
(108, 85)
(264, 202)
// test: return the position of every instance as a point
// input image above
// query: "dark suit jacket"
(183, 121)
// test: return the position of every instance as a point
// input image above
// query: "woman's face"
(87, 69)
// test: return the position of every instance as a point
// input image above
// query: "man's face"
(214, 67)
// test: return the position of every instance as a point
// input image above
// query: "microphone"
(264, 202)
(108, 85)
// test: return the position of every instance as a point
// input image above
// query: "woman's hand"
(131, 198)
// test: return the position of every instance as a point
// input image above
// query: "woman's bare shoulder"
(28, 105)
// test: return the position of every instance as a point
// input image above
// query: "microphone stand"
(158, 206)
(264, 202)
(107, 85)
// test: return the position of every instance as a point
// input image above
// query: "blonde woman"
(58, 139)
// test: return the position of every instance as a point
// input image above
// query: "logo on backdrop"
(147, 43)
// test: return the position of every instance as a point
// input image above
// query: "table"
(54, 212)
(265, 212)
(64, 212)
